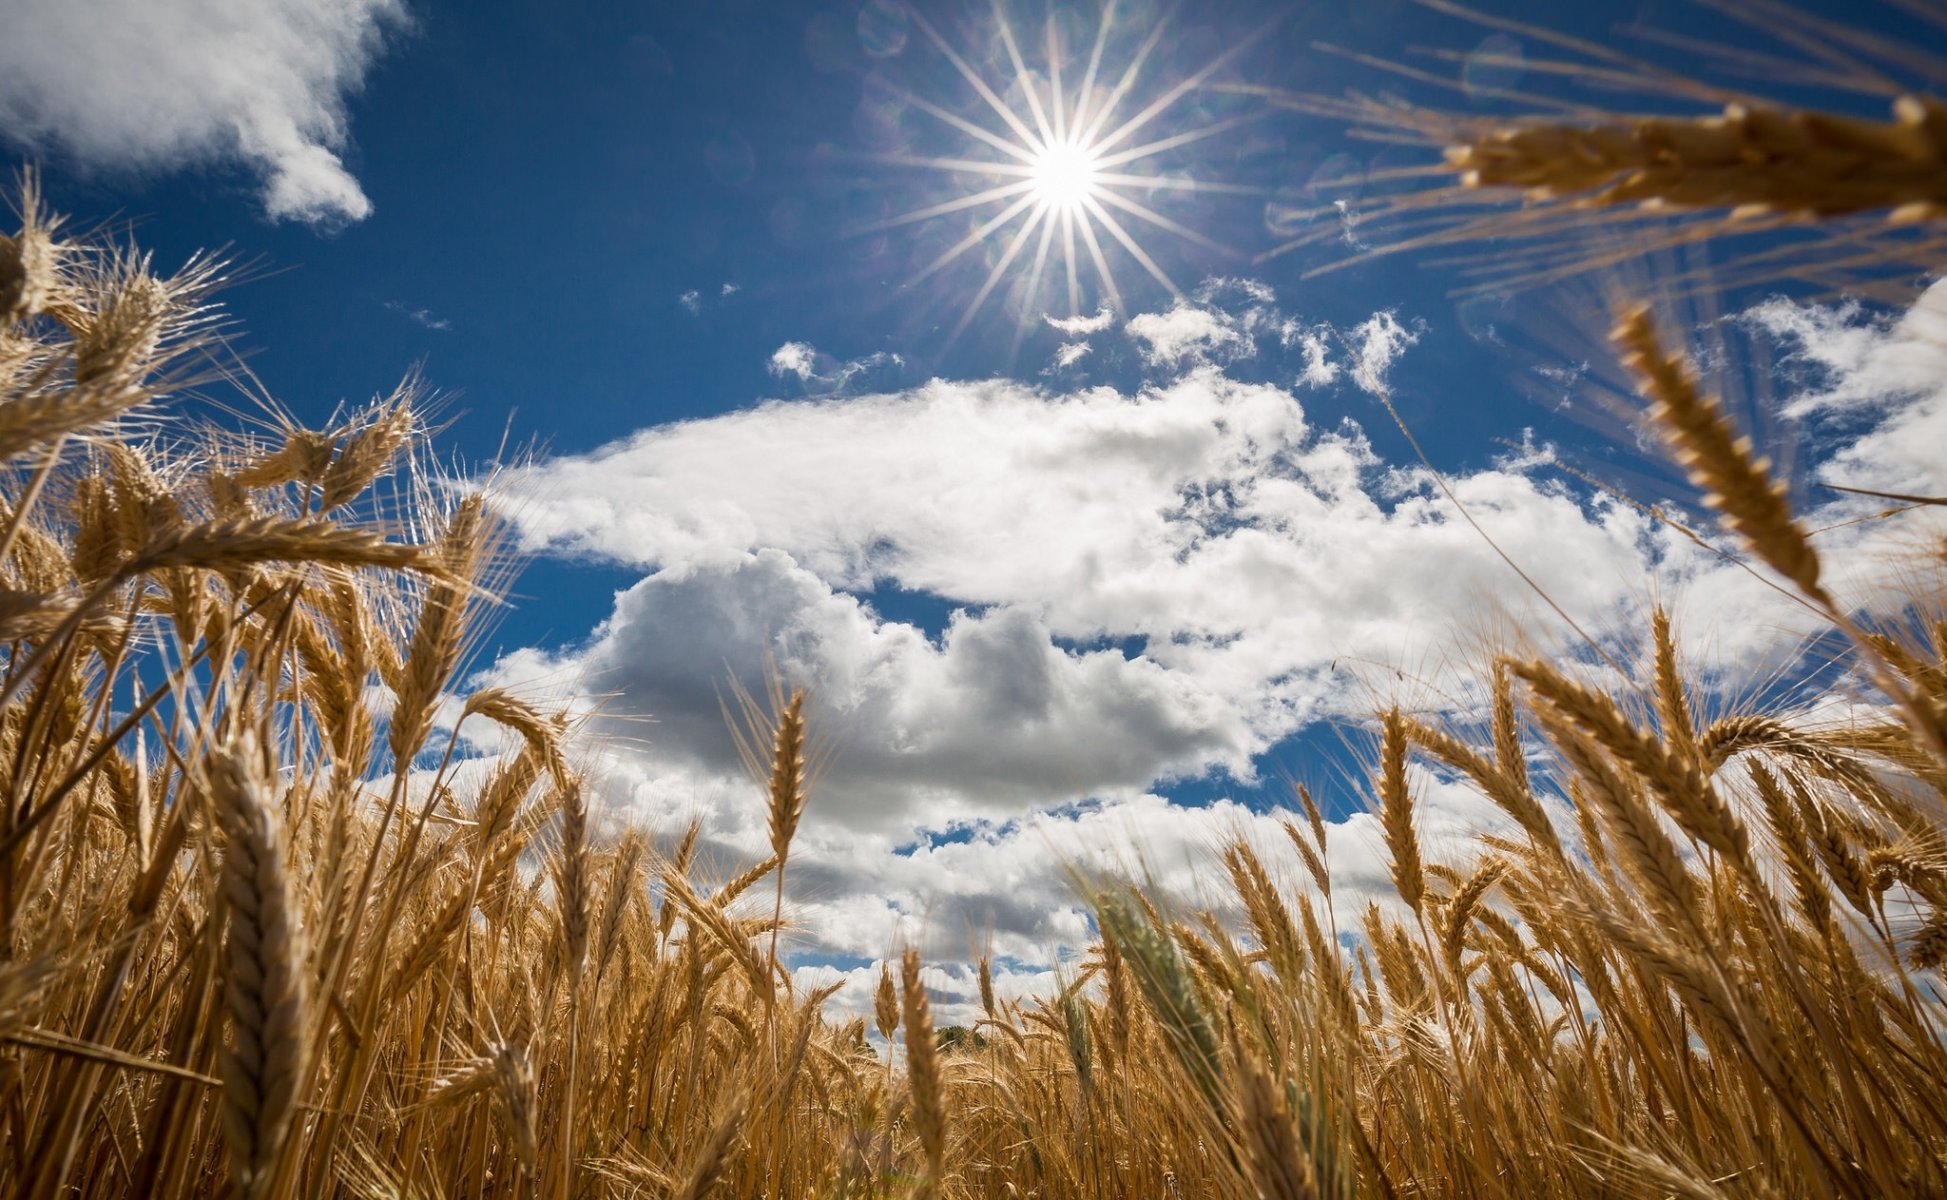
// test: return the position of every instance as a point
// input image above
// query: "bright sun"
(1069, 173)
(1064, 175)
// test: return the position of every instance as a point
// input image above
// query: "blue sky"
(1060, 586)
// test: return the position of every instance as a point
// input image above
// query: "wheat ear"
(923, 1070)
(1677, 779)
(29, 262)
(1277, 1164)
(713, 1153)
(1749, 160)
(885, 1003)
(572, 876)
(235, 543)
(513, 1079)
(264, 980)
(1721, 464)
(1396, 812)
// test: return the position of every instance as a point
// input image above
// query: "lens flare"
(1069, 168)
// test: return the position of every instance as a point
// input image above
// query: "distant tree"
(958, 1037)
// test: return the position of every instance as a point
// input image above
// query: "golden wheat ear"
(30, 260)
(1396, 812)
(1734, 480)
(923, 1070)
(1751, 161)
(264, 988)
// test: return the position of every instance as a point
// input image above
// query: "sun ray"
(962, 166)
(1145, 213)
(1048, 136)
(1184, 86)
(994, 276)
(1177, 139)
(1068, 247)
(1175, 184)
(1034, 281)
(1053, 50)
(1131, 245)
(1101, 264)
(967, 72)
(1122, 86)
(965, 126)
(1094, 62)
(976, 237)
(948, 206)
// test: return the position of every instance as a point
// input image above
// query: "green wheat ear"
(1166, 984)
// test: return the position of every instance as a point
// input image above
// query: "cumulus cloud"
(1070, 354)
(161, 84)
(1082, 326)
(1225, 321)
(692, 302)
(792, 358)
(1890, 375)
(1138, 587)
(1377, 344)
(1190, 333)
(1315, 344)
(984, 721)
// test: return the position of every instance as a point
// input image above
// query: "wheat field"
(261, 934)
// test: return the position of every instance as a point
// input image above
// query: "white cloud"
(1070, 354)
(422, 317)
(162, 84)
(794, 358)
(822, 374)
(1190, 333)
(692, 302)
(1082, 326)
(1377, 344)
(1142, 586)
(1314, 342)
(1255, 291)
(1892, 374)
(1349, 218)
(987, 721)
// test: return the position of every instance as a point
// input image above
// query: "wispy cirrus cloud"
(425, 318)
(821, 373)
